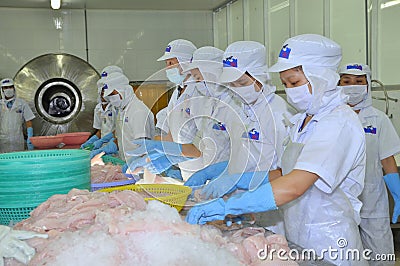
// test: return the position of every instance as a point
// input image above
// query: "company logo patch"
(168, 48)
(230, 62)
(355, 66)
(252, 134)
(370, 130)
(219, 126)
(285, 52)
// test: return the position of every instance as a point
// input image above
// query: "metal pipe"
(386, 99)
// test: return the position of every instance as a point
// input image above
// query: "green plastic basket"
(113, 160)
(27, 179)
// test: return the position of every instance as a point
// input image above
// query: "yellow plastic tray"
(173, 195)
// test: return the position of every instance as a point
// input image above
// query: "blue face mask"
(174, 76)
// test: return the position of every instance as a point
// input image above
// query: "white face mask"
(299, 97)
(9, 93)
(174, 76)
(115, 100)
(248, 94)
(356, 93)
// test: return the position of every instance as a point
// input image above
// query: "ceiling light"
(389, 4)
(55, 4)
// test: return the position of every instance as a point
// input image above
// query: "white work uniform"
(382, 142)
(161, 123)
(104, 120)
(11, 122)
(332, 145)
(135, 121)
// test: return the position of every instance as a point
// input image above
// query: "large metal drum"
(61, 91)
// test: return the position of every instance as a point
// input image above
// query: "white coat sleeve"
(96, 119)
(331, 152)
(389, 142)
(27, 112)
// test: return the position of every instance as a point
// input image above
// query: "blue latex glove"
(259, 200)
(91, 140)
(28, 141)
(393, 183)
(160, 164)
(208, 173)
(163, 147)
(226, 183)
(106, 139)
(174, 173)
(110, 148)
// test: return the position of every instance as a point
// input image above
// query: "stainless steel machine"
(61, 91)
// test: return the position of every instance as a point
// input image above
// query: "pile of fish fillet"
(120, 228)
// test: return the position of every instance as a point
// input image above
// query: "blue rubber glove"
(110, 148)
(210, 172)
(91, 140)
(163, 147)
(225, 183)
(160, 164)
(174, 173)
(259, 200)
(99, 143)
(393, 183)
(28, 141)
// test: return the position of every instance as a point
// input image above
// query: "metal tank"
(61, 91)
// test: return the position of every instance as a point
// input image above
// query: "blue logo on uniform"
(230, 62)
(6, 81)
(126, 119)
(252, 134)
(110, 114)
(285, 52)
(370, 130)
(105, 86)
(187, 110)
(168, 48)
(219, 126)
(356, 66)
(104, 74)
(19, 111)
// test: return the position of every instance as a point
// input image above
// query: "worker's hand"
(90, 141)
(226, 183)
(206, 212)
(210, 172)
(162, 147)
(393, 183)
(110, 148)
(12, 246)
(28, 140)
(174, 173)
(100, 142)
(160, 164)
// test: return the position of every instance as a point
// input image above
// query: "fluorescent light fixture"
(278, 7)
(55, 4)
(390, 3)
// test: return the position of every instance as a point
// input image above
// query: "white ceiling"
(120, 4)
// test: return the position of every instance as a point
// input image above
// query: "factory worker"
(104, 113)
(323, 164)
(203, 116)
(13, 113)
(382, 143)
(134, 120)
(257, 139)
(176, 53)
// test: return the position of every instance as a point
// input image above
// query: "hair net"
(127, 94)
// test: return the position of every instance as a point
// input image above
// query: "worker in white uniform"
(382, 143)
(323, 164)
(202, 115)
(134, 121)
(104, 115)
(14, 113)
(176, 53)
(257, 138)
(161, 124)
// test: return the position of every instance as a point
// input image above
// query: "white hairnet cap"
(241, 57)
(114, 81)
(206, 59)
(7, 82)
(308, 50)
(110, 69)
(181, 49)
(355, 69)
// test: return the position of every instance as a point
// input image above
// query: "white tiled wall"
(131, 39)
